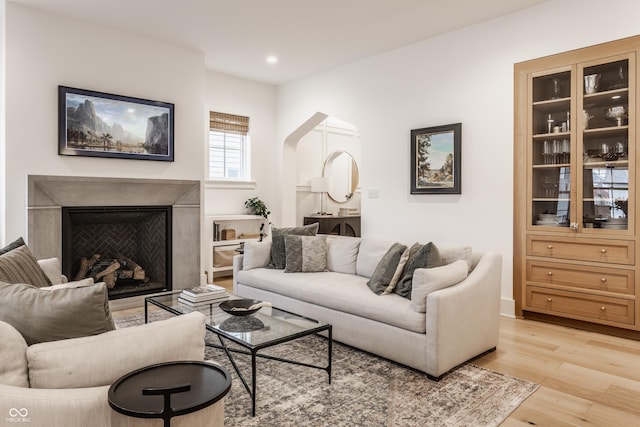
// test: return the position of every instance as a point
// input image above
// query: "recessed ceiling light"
(272, 59)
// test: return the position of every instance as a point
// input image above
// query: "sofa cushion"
(370, 253)
(13, 357)
(41, 315)
(420, 256)
(342, 292)
(256, 254)
(101, 359)
(278, 255)
(20, 266)
(13, 245)
(453, 254)
(386, 268)
(305, 253)
(342, 254)
(427, 280)
(52, 269)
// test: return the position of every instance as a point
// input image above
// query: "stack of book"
(202, 296)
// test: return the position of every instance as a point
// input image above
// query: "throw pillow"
(41, 315)
(305, 253)
(383, 274)
(13, 357)
(420, 256)
(427, 280)
(256, 255)
(278, 255)
(20, 266)
(398, 273)
(342, 254)
(13, 245)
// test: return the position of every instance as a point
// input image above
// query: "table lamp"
(320, 185)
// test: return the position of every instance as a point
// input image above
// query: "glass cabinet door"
(551, 147)
(606, 144)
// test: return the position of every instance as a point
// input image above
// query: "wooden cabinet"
(575, 243)
(335, 224)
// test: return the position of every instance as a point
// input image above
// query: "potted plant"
(255, 206)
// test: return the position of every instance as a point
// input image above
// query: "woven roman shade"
(228, 123)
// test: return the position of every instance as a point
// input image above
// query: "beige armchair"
(65, 383)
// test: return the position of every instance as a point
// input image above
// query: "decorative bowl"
(238, 307)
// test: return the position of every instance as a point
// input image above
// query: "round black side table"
(169, 389)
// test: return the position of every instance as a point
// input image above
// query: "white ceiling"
(306, 35)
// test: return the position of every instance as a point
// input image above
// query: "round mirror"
(342, 171)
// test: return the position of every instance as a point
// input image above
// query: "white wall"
(232, 95)
(3, 23)
(464, 76)
(44, 51)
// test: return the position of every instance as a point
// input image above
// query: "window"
(228, 146)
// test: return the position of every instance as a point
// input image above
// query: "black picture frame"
(98, 124)
(442, 145)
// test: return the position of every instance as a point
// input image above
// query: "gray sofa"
(456, 323)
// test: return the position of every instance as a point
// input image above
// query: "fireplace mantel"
(47, 194)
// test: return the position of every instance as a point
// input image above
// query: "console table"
(336, 224)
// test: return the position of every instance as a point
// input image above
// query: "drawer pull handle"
(603, 308)
(603, 280)
(549, 299)
(550, 273)
(549, 246)
(604, 251)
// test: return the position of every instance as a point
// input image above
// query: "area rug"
(366, 390)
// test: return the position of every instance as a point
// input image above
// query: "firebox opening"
(127, 247)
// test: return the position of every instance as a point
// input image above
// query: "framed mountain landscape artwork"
(435, 160)
(98, 124)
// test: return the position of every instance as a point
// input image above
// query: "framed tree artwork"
(435, 160)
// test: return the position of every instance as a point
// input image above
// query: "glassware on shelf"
(591, 83)
(550, 187)
(619, 149)
(564, 151)
(620, 82)
(546, 152)
(550, 121)
(585, 119)
(555, 91)
(617, 114)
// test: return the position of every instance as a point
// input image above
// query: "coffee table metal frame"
(168, 302)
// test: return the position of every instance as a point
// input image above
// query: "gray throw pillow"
(13, 245)
(305, 253)
(386, 268)
(420, 256)
(20, 266)
(278, 254)
(50, 315)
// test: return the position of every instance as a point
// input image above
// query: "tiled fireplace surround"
(47, 195)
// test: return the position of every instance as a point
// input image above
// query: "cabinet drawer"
(581, 306)
(583, 277)
(607, 251)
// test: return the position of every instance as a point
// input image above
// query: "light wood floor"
(586, 378)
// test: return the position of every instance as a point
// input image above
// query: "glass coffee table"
(266, 328)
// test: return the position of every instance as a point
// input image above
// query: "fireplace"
(136, 199)
(128, 247)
